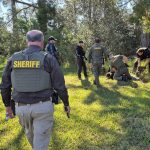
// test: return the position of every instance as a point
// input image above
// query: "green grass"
(111, 118)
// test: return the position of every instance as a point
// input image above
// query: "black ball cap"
(51, 38)
(81, 42)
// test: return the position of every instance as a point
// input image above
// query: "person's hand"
(141, 68)
(125, 59)
(113, 69)
(67, 110)
(9, 112)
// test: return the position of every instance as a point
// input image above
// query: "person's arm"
(57, 78)
(78, 52)
(6, 87)
(139, 62)
(106, 52)
(125, 59)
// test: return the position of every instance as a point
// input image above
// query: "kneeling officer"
(33, 74)
(120, 68)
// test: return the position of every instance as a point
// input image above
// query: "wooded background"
(123, 25)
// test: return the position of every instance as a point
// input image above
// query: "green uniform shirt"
(118, 64)
(97, 52)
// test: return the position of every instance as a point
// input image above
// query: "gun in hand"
(67, 110)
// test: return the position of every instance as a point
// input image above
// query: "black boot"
(79, 76)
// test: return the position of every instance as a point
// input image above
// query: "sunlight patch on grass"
(112, 117)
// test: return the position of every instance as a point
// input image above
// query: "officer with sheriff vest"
(32, 75)
(96, 53)
(119, 66)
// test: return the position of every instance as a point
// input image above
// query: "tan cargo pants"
(37, 120)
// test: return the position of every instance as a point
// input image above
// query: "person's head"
(140, 51)
(81, 43)
(97, 40)
(35, 37)
(52, 40)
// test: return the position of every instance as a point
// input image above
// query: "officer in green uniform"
(96, 54)
(120, 68)
(32, 75)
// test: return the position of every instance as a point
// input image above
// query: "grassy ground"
(111, 118)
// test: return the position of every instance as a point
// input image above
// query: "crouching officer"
(96, 54)
(120, 68)
(33, 74)
(143, 54)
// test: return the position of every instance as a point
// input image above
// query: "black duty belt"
(23, 104)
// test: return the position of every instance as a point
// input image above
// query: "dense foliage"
(123, 25)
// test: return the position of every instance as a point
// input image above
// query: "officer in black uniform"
(80, 54)
(32, 75)
(143, 54)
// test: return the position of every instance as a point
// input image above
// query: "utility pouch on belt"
(55, 98)
(12, 104)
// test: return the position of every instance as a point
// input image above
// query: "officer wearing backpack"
(32, 74)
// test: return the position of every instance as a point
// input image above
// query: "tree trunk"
(14, 17)
(13, 37)
(145, 39)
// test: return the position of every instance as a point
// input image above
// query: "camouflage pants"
(97, 71)
(118, 74)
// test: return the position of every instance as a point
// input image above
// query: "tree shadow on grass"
(91, 133)
(103, 95)
(85, 83)
(72, 86)
(135, 124)
(56, 142)
(135, 116)
(85, 126)
(16, 142)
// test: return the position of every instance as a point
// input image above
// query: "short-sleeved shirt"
(145, 55)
